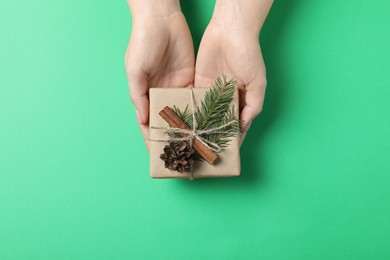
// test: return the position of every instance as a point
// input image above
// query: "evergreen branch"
(216, 102)
(185, 115)
(214, 111)
(223, 139)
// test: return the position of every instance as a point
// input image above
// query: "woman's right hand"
(160, 53)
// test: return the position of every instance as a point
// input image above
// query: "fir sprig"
(223, 139)
(185, 115)
(215, 103)
(214, 111)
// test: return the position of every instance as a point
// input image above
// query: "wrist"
(237, 14)
(153, 8)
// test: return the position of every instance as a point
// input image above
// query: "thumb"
(247, 115)
(141, 103)
(139, 96)
(254, 99)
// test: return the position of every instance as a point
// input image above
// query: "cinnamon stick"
(175, 121)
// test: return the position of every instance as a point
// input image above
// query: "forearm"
(250, 14)
(153, 8)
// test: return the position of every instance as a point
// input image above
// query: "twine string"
(191, 134)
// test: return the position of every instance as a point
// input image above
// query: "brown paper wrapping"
(228, 162)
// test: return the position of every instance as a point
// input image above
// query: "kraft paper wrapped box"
(228, 162)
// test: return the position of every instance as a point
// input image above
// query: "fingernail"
(139, 116)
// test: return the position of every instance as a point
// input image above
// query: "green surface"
(74, 181)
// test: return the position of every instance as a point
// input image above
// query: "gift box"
(225, 163)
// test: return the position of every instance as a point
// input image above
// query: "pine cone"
(178, 156)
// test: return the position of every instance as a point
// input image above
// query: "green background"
(74, 180)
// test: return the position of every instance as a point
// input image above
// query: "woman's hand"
(160, 53)
(230, 45)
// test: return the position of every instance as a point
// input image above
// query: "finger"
(145, 134)
(139, 95)
(202, 81)
(254, 99)
(242, 138)
(142, 104)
